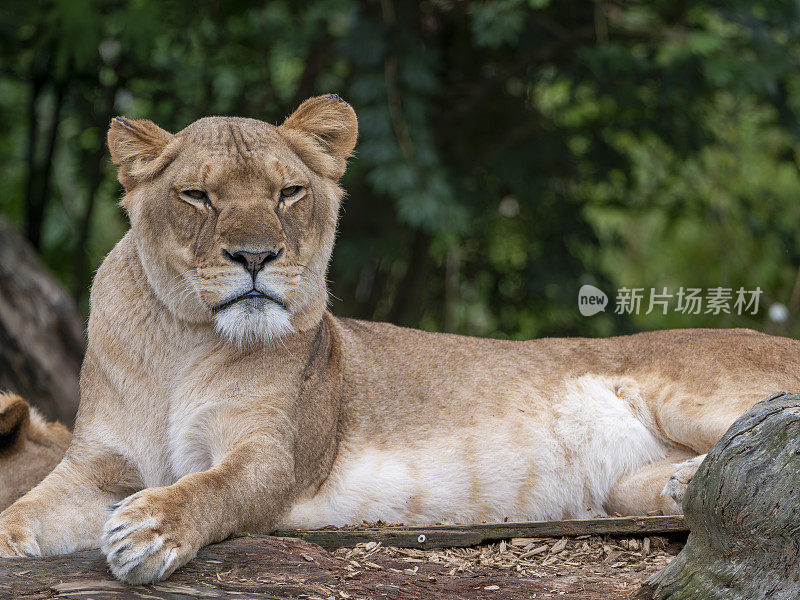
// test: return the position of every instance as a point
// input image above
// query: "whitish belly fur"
(560, 466)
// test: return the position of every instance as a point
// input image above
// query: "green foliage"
(510, 150)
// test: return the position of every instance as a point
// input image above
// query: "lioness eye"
(195, 194)
(290, 191)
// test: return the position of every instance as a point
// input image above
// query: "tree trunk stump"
(41, 331)
(743, 511)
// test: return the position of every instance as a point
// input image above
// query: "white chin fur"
(245, 324)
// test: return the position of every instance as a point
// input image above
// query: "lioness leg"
(697, 422)
(157, 530)
(641, 493)
(66, 511)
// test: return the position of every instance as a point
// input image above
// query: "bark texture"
(743, 511)
(41, 331)
(273, 568)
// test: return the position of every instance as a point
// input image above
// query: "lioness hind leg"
(643, 492)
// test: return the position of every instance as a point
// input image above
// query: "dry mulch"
(565, 566)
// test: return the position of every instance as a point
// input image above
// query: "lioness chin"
(218, 396)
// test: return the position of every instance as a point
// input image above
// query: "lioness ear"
(135, 147)
(325, 123)
(14, 417)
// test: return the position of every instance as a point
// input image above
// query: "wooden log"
(41, 331)
(455, 536)
(263, 567)
(743, 511)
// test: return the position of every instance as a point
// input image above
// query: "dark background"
(510, 151)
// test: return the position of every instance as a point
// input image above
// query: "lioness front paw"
(17, 537)
(679, 481)
(142, 542)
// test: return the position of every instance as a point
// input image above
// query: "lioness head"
(234, 219)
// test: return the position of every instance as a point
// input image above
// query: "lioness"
(29, 447)
(218, 396)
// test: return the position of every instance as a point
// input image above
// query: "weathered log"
(459, 536)
(41, 331)
(743, 511)
(262, 567)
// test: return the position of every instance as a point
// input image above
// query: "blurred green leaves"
(510, 150)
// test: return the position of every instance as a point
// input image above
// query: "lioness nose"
(254, 261)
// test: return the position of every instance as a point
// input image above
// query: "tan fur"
(202, 418)
(29, 447)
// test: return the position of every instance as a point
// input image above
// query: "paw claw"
(17, 541)
(169, 560)
(115, 529)
(118, 551)
(124, 529)
(123, 502)
(24, 549)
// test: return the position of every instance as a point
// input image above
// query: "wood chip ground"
(265, 568)
(584, 567)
